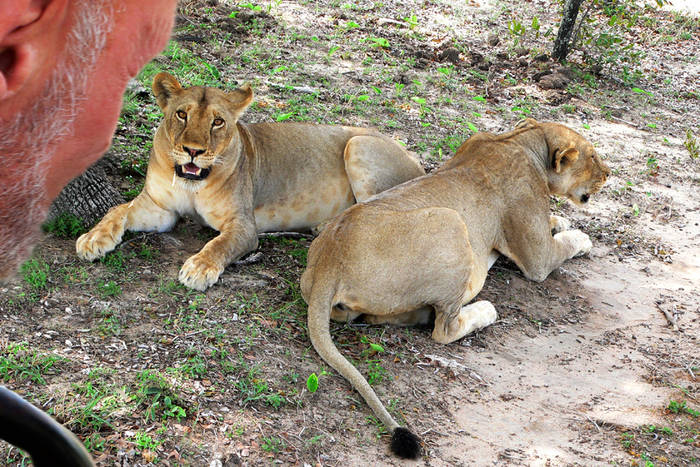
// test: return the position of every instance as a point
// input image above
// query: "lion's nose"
(193, 152)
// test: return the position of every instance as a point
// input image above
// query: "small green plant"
(114, 261)
(375, 371)
(18, 363)
(143, 441)
(682, 407)
(379, 42)
(35, 273)
(254, 389)
(412, 21)
(691, 144)
(158, 396)
(516, 28)
(147, 252)
(108, 288)
(626, 440)
(312, 383)
(94, 443)
(195, 366)
(110, 324)
(65, 226)
(272, 444)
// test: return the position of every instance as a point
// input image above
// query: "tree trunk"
(87, 197)
(568, 20)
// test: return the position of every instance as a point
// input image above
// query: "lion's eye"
(181, 114)
(218, 122)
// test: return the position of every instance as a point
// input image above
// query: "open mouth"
(191, 171)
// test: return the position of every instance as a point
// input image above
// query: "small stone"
(493, 39)
(68, 310)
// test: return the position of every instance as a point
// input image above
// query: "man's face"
(63, 69)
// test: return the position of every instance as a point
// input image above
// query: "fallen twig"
(138, 237)
(669, 317)
(594, 423)
(250, 259)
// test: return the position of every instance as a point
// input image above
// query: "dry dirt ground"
(581, 369)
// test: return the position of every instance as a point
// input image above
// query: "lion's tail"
(46, 441)
(404, 443)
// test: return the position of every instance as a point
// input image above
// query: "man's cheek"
(90, 138)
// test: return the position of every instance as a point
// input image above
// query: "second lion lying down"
(428, 244)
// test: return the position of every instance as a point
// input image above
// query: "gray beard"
(28, 140)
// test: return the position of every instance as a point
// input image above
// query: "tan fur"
(263, 177)
(427, 245)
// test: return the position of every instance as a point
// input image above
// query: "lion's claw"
(199, 272)
(94, 244)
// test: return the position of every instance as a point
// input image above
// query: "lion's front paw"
(95, 244)
(200, 272)
(580, 241)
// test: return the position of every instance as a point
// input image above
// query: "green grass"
(107, 288)
(19, 363)
(65, 226)
(272, 444)
(35, 273)
(115, 261)
(253, 388)
(157, 395)
(682, 408)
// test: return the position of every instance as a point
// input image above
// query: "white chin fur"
(184, 184)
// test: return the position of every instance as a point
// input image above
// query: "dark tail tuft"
(405, 444)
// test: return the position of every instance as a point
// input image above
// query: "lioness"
(243, 179)
(427, 244)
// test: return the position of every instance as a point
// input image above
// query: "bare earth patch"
(582, 369)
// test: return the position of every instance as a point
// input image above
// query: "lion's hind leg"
(452, 325)
(374, 164)
(558, 224)
(410, 318)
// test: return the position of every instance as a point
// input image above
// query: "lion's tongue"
(190, 168)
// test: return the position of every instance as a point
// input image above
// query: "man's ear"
(17, 62)
(564, 157)
(165, 86)
(240, 98)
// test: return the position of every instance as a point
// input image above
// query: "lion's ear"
(240, 98)
(564, 157)
(528, 122)
(165, 86)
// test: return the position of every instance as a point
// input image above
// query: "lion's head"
(576, 170)
(200, 123)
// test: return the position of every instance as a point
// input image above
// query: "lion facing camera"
(241, 179)
(426, 246)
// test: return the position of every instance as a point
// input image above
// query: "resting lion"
(427, 245)
(243, 179)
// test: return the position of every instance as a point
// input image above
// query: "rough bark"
(87, 197)
(566, 27)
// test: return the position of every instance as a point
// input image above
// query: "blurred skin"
(64, 65)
